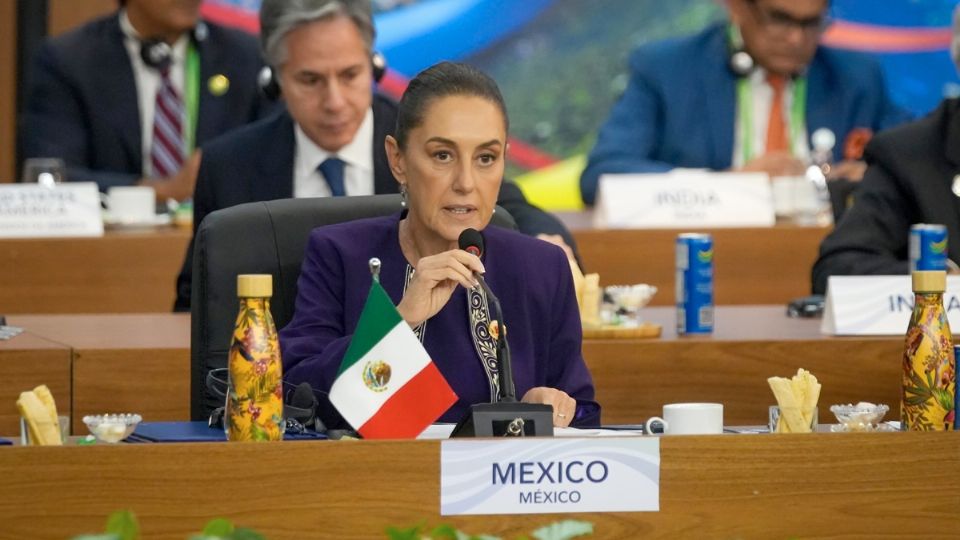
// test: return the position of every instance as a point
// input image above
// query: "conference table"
(140, 363)
(823, 485)
(26, 361)
(635, 378)
(124, 271)
(751, 265)
(114, 363)
(134, 270)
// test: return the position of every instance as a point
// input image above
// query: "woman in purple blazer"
(448, 156)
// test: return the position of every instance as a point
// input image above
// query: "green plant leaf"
(123, 525)
(412, 533)
(219, 527)
(242, 533)
(564, 530)
(447, 532)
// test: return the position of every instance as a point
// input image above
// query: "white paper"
(37, 211)
(878, 305)
(549, 475)
(685, 199)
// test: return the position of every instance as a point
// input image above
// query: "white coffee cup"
(131, 204)
(690, 419)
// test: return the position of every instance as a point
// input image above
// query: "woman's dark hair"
(442, 80)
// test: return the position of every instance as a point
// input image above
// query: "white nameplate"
(878, 305)
(545, 476)
(685, 199)
(33, 210)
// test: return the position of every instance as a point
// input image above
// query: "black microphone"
(505, 416)
(156, 53)
(471, 241)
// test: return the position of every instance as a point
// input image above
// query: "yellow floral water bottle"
(255, 396)
(929, 368)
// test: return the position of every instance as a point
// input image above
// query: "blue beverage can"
(694, 285)
(928, 247)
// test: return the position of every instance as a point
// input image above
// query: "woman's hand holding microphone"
(433, 282)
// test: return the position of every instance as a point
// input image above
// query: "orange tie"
(776, 127)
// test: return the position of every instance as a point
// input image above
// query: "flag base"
(506, 420)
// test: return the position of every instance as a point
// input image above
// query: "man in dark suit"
(913, 177)
(743, 95)
(330, 139)
(99, 95)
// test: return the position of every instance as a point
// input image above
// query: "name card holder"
(877, 305)
(37, 211)
(506, 419)
(686, 199)
(545, 476)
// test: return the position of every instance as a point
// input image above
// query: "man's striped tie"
(166, 153)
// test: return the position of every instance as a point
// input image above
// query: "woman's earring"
(494, 210)
(403, 195)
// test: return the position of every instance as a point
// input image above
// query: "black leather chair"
(260, 238)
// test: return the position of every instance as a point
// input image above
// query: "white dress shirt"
(762, 98)
(357, 155)
(147, 80)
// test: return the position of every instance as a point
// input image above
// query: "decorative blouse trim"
(478, 312)
(421, 329)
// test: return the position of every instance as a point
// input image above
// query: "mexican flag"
(387, 386)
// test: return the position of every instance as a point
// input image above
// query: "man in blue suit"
(743, 95)
(95, 95)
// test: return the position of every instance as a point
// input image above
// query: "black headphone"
(740, 62)
(269, 82)
(158, 54)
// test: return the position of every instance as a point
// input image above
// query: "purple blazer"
(530, 277)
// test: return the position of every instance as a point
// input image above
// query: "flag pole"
(375, 269)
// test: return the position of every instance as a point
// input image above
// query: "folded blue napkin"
(195, 432)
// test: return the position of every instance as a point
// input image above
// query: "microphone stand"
(506, 417)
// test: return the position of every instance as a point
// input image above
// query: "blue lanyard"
(798, 111)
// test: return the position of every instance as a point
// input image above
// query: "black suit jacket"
(910, 179)
(82, 106)
(255, 163)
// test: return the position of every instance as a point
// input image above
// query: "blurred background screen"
(562, 63)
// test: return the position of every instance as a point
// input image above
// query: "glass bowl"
(112, 428)
(621, 303)
(860, 417)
